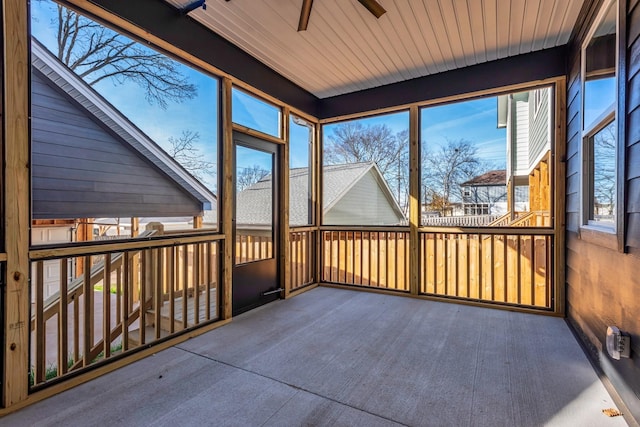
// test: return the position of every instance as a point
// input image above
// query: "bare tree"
(248, 176)
(444, 168)
(96, 53)
(353, 142)
(185, 152)
(604, 171)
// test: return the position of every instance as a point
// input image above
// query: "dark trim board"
(518, 69)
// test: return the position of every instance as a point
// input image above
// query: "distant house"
(354, 194)
(90, 161)
(485, 194)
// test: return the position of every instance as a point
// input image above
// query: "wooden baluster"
(126, 299)
(88, 312)
(185, 286)
(142, 307)
(63, 319)
(172, 283)
(40, 332)
(106, 306)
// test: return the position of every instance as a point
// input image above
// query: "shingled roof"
(495, 177)
(255, 204)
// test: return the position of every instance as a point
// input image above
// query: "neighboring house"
(90, 161)
(527, 119)
(354, 194)
(485, 194)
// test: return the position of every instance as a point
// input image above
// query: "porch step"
(149, 333)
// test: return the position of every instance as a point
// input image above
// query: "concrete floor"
(336, 357)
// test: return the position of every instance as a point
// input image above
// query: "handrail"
(501, 221)
(101, 248)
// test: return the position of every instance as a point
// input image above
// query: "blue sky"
(473, 120)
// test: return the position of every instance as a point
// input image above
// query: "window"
(365, 172)
(599, 70)
(300, 174)
(480, 157)
(254, 113)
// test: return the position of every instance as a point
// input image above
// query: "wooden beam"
(558, 184)
(285, 252)
(227, 199)
(316, 166)
(414, 200)
(15, 109)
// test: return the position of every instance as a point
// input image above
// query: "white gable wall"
(364, 204)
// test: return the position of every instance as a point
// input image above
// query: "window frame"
(589, 130)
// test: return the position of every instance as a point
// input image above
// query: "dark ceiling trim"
(518, 69)
(163, 21)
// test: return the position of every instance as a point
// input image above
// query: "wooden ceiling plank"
(476, 19)
(503, 16)
(464, 30)
(421, 45)
(544, 16)
(452, 30)
(272, 50)
(555, 23)
(516, 22)
(373, 26)
(346, 49)
(428, 35)
(440, 34)
(354, 41)
(491, 28)
(402, 41)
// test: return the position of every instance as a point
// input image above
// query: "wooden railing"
(132, 298)
(459, 221)
(377, 259)
(302, 242)
(501, 268)
(508, 267)
(253, 245)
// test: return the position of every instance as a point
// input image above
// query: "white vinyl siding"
(521, 137)
(364, 204)
(539, 128)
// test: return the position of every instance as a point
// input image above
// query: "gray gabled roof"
(65, 79)
(254, 202)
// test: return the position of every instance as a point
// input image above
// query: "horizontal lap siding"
(633, 132)
(81, 170)
(603, 284)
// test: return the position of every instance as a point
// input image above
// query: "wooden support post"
(414, 199)
(197, 222)
(227, 199)
(316, 196)
(285, 252)
(558, 184)
(134, 267)
(15, 110)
